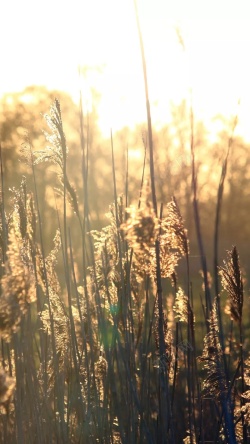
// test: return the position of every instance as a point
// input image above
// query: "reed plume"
(181, 306)
(56, 152)
(7, 386)
(215, 382)
(142, 229)
(232, 282)
(17, 286)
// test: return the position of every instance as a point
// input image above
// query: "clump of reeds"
(18, 280)
(98, 356)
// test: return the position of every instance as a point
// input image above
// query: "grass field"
(106, 348)
(107, 337)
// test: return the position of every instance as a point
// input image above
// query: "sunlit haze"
(46, 42)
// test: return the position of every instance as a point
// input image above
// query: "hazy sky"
(45, 42)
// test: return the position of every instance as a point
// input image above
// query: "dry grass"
(98, 359)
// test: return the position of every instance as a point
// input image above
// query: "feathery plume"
(7, 386)
(215, 382)
(181, 306)
(232, 282)
(18, 289)
(143, 228)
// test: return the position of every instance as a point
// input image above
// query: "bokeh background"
(197, 58)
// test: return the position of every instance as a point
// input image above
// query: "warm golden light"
(189, 45)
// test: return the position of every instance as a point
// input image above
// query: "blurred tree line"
(22, 113)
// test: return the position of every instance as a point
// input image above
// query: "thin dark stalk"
(244, 426)
(149, 121)
(123, 298)
(218, 211)
(197, 222)
(165, 407)
(216, 239)
(84, 141)
(55, 360)
(175, 365)
(143, 172)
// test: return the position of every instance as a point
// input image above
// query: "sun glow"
(135, 154)
(189, 46)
